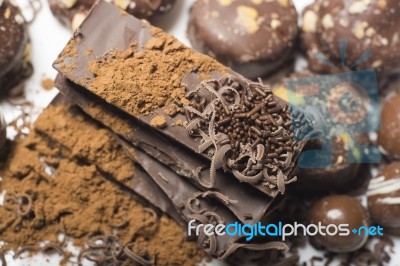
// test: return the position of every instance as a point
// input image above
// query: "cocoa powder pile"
(141, 81)
(56, 183)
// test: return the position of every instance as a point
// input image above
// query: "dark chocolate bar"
(236, 124)
(249, 204)
(160, 185)
(141, 183)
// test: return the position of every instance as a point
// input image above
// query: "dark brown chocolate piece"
(334, 178)
(14, 48)
(73, 12)
(343, 143)
(141, 184)
(252, 37)
(365, 25)
(172, 194)
(389, 134)
(123, 31)
(336, 210)
(384, 197)
(180, 160)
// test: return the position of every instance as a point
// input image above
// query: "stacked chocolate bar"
(219, 147)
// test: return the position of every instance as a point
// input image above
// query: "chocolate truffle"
(342, 173)
(3, 131)
(14, 48)
(336, 210)
(364, 25)
(389, 134)
(384, 197)
(252, 37)
(338, 177)
(73, 12)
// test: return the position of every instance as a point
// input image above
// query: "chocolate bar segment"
(249, 206)
(141, 183)
(235, 123)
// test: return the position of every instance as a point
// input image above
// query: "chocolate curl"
(276, 245)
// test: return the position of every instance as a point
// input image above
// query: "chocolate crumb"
(158, 121)
(47, 83)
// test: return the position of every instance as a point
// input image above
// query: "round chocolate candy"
(344, 146)
(14, 48)
(339, 176)
(384, 197)
(252, 37)
(336, 210)
(73, 12)
(364, 25)
(389, 134)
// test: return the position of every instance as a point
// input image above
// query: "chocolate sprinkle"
(245, 129)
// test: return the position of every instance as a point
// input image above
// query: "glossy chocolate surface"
(253, 38)
(339, 209)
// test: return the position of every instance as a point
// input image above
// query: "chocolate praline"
(339, 169)
(252, 37)
(73, 12)
(389, 134)
(384, 197)
(338, 177)
(365, 26)
(336, 210)
(14, 48)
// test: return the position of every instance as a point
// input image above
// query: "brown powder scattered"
(58, 186)
(141, 81)
(47, 83)
(158, 121)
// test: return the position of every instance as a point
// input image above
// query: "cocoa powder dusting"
(141, 80)
(56, 182)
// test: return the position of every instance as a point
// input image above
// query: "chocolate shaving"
(194, 201)
(255, 126)
(135, 257)
(3, 259)
(264, 246)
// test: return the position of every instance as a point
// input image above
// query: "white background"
(48, 38)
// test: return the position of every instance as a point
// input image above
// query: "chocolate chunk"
(195, 78)
(252, 37)
(336, 210)
(180, 160)
(14, 48)
(384, 197)
(73, 12)
(389, 134)
(364, 25)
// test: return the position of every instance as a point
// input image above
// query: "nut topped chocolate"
(389, 134)
(384, 197)
(252, 37)
(363, 24)
(336, 210)
(14, 47)
(73, 12)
